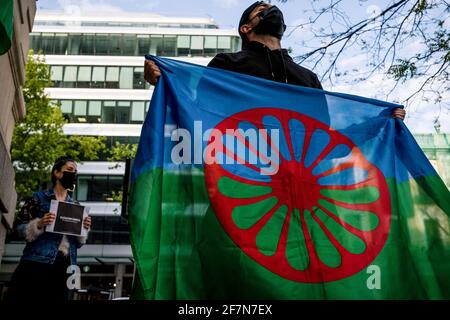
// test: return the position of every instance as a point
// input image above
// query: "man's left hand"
(399, 113)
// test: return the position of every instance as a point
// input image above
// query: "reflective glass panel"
(126, 78)
(61, 41)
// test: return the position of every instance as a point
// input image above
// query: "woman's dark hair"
(59, 163)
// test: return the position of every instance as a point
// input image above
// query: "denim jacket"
(43, 248)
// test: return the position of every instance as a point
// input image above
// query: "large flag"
(6, 24)
(247, 188)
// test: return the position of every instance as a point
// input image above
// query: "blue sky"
(226, 13)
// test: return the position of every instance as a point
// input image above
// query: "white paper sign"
(69, 218)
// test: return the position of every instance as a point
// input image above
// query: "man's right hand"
(47, 219)
(151, 72)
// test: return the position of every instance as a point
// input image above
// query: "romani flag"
(6, 24)
(245, 188)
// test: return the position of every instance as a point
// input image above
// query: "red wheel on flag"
(309, 208)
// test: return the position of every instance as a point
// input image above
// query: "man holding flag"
(243, 189)
(261, 28)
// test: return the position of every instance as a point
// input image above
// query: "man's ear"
(245, 28)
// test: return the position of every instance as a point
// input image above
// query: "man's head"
(261, 18)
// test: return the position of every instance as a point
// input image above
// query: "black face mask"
(68, 180)
(271, 22)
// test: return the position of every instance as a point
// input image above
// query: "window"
(210, 45)
(170, 43)
(156, 45)
(84, 77)
(70, 76)
(115, 184)
(101, 44)
(183, 45)
(197, 45)
(126, 78)
(109, 103)
(114, 44)
(138, 78)
(47, 43)
(74, 44)
(108, 112)
(88, 44)
(82, 188)
(80, 111)
(66, 106)
(197, 42)
(66, 109)
(125, 140)
(61, 40)
(223, 44)
(143, 44)
(98, 188)
(98, 77)
(112, 77)
(183, 42)
(35, 42)
(80, 108)
(129, 45)
(137, 111)
(123, 112)
(56, 75)
(95, 108)
(95, 111)
(236, 44)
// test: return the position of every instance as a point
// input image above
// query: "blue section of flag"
(186, 93)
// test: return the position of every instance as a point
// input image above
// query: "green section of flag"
(183, 252)
(6, 24)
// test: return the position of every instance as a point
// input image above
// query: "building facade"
(437, 150)
(12, 108)
(97, 69)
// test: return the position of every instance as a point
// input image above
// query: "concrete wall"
(12, 107)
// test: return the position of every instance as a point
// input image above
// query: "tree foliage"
(121, 151)
(405, 39)
(39, 139)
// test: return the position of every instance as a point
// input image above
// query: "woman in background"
(42, 270)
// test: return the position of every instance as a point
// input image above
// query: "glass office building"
(96, 65)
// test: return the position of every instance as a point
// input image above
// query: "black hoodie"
(257, 60)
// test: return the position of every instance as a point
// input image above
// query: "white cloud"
(228, 4)
(357, 61)
(298, 37)
(105, 7)
(86, 6)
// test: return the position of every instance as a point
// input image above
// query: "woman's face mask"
(271, 22)
(68, 180)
